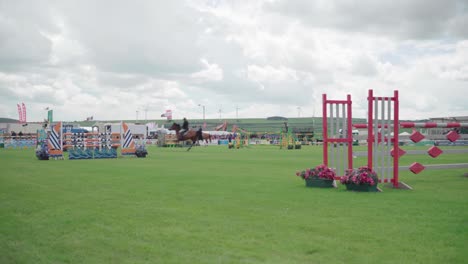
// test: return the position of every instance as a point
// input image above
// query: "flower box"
(320, 176)
(321, 183)
(363, 179)
(361, 188)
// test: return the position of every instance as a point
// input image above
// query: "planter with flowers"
(320, 176)
(363, 179)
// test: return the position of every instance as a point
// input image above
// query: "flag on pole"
(24, 112)
(20, 113)
(50, 115)
(168, 114)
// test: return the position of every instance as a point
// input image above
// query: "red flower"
(319, 172)
(361, 176)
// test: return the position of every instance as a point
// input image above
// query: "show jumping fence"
(383, 151)
(337, 134)
(89, 145)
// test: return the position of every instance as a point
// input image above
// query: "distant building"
(27, 128)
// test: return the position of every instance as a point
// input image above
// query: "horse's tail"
(199, 134)
(209, 137)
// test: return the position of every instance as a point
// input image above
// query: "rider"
(185, 127)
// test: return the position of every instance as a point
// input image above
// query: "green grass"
(215, 205)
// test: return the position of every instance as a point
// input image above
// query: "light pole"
(146, 113)
(203, 111)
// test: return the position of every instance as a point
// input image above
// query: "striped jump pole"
(432, 125)
(383, 119)
(434, 151)
(337, 134)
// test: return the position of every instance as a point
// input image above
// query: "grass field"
(215, 205)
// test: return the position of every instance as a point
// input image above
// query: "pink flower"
(320, 171)
(363, 175)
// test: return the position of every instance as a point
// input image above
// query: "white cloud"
(110, 59)
(416, 19)
(270, 74)
(64, 49)
(212, 72)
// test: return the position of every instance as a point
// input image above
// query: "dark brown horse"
(192, 135)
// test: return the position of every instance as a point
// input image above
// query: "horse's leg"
(191, 145)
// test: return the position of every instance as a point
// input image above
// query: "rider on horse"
(185, 127)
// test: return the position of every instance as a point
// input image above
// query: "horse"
(193, 135)
(206, 137)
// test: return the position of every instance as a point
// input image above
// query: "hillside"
(7, 120)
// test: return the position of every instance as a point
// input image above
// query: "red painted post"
(396, 144)
(324, 129)
(350, 132)
(370, 127)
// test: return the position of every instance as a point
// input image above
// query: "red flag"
(20, 113)
(168, 114)
(24, 112)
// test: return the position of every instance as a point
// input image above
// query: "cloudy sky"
(110, 59)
